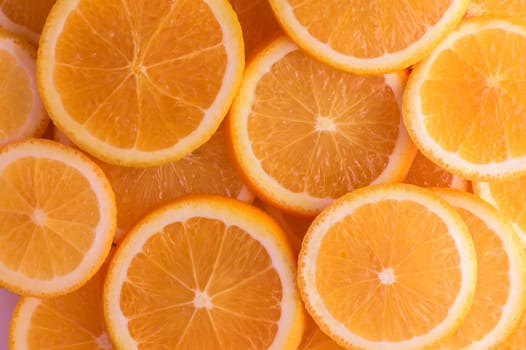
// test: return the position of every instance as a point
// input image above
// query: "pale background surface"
(7, 304)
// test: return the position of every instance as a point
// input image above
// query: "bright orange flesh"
(514, 8)
(25, 17)
(424, 172)
(315, 339)
(517, 340)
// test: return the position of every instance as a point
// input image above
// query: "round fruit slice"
(517, 340)
(207, 170)
(464, 104)
(373, 37)
(513, 8)
(57, 218)
(315, 339)
(71, 321)
(25, 17)
(388, 267)
(500, 295)
(23, 113)
(305, 133)
(204, 265)
(509, 198)
(424, 172)
(136, 84)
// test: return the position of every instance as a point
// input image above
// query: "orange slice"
(57, 218)
(513, 8)
(509, 198)
(315, 339)
(517, 340)
(500, 295)
(207, 170)
(140, 85)
(424, 172)
(304, 133)
(463, 104)
(71, 321)
(204, 272)
(25, 17)
(388, 267)
(23, 113)
(257, 21)
(380, 37)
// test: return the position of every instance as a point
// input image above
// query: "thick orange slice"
(305, 133)
(388, 267)
(72, 321)
(57, 218)
(513, 8)
(140, 85)
(23, 113)
(500, 295)
(424, 172)
(373, 37)
(464, 103)
(204, 272)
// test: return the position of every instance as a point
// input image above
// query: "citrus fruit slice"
(71, 321)
(424, 172)
(257, 21)
(139, 85)
(513, 8)
(389, 266)
(509, 198)
(463, 104)
(304, 133)
(500, 295)
(207, 170)
(377, 37)
(204, 265)
(57, 218)
(517, 340)
(315, 339)
(23, 114)
(25, 17)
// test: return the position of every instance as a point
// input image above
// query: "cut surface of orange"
(517, 340)
(424, 172)
(25, 17)
(257, 21)
(514, 8)
(140, 84)
(388, 266)
(373, 37)
(500, 295)
(509, 198)
(57, 218)
(464, 103)
(207, 170)
(23, 114)
(315, 339)
(204, 272)
(304, 133)
(72, 321)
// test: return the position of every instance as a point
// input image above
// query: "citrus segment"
(57, 218)
(513, 8)
(463, 105)
(499, 298)
(135, 84)
(304, 133)
(315, 339)
(204, 265)
(71, 321)
(517, 340)
(23, 113)
(378, 38)
(388, 267)
(424, 172)
(25, 17)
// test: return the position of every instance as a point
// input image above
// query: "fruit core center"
(325, 124)
(39, 217)
(387, 276)
(202, 300)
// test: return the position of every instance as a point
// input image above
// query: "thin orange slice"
(517, 340)
(139, 84)
(57, 218)
(204, 272)
(23, 114)
(513, 8)
(315, 339)
(72, 321)
(464, 104)
(372, 37)
(25, 17)
(424, 172)
(207, 170)
(500, 295)
(388, 267)
(305, 133)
